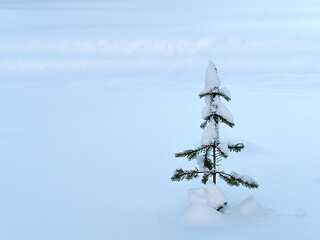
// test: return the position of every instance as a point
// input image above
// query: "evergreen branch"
(235, 180)
(218, 118)
(229, 180)
(208, 119)
(227, 98)
(221, 153)
(205, 178)
(236, 147)
(181, 174)
(232, 179)
(209, 93)
(214, 93)
(191, 154)
(207, 163)
(204, 124)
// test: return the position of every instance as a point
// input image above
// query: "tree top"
(212, 78)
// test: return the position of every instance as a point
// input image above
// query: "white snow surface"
(202, 214)
(250, 206)
(212, 79)
(301, 213)
(209, 134)
(197, 195)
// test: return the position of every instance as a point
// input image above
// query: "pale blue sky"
(243, 37)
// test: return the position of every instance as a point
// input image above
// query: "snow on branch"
(218, 113)
(222, 112)
(223, 92)
(204, 162)
(209, 135)
(223, 149)
(206, 112)
(235, 179)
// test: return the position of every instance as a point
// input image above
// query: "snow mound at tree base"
(204, 203)
(211, 195)
(202, 214)
(250, 206)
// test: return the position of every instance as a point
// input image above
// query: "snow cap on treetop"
(212, 78)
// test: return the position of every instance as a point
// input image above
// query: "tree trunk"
(214, 165)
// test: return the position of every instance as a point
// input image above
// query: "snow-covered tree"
(212, 150)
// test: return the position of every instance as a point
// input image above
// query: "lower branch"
(232, 179)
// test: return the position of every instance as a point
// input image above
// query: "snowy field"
(97, 97)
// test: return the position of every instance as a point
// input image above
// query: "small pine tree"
(212, 151)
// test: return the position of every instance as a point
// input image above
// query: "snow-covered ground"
(96, 98)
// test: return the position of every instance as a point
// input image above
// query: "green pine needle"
(236, 147)
(207, 163)
(205, 178)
